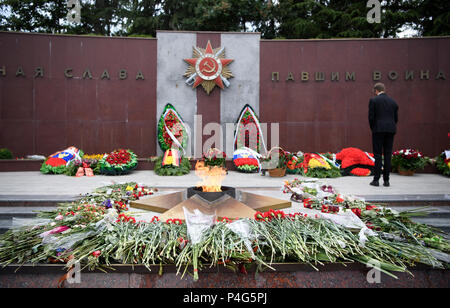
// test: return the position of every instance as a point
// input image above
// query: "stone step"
(34, 200)
(432, 212)
(5, 225)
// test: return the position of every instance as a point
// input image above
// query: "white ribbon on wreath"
(171, 135)
(257, 125)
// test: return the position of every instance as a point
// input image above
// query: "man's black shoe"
(386, 184)
(375, 183)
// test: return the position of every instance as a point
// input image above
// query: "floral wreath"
(172, 132)
(118, 162)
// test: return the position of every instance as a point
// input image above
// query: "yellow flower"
(94, 156)
(314, 163)
(130, 188)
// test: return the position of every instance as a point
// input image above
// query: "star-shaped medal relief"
(208, 68)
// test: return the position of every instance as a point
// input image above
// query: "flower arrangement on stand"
(443, 163)
(171, 129)
(118, 162)
(214, 157)
(407, 161)
(276, 162)
(248, 133)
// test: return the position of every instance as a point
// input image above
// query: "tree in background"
(274, 19)
(340, 18)
(141, 17)
(433, 17)
(32, 16)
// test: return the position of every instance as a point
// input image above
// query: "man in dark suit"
(383, 118)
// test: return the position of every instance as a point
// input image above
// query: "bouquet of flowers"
(408, 160)
(294, 163)
(88, 161)
(443, 163)
(214, 157)
(118, 162)
(276, 162)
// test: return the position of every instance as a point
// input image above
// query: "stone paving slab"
(38, 184)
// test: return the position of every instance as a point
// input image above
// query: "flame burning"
(212, 177)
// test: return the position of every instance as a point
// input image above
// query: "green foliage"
(274, 19)
(432, 17)
(170, 170)
(442, 165)
(123, 166)
(247, 168)
(164, 145)
(323, 173)
(47, 169)
(409, 162)
(72, 167)
(5, 154)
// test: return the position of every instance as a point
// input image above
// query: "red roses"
(119, 157)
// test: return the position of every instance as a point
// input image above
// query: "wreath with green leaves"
(118, 162)
(172, 118)
(52, 165)
(243, 138)
(170, 170)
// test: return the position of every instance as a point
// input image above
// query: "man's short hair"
(379, 87)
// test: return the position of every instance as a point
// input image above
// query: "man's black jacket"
(383, 114)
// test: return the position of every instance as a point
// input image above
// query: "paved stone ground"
(38, 184)
(35, 186)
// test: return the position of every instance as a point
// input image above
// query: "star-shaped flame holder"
(232, 203)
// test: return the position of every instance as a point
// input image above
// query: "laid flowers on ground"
(354, 161)
(98, 231)
(172, 163)
(326, 199)
(319, 166)
(57, 162)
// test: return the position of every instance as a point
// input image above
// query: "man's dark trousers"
(382, 145)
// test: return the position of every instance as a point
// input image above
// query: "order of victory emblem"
(208, 68)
